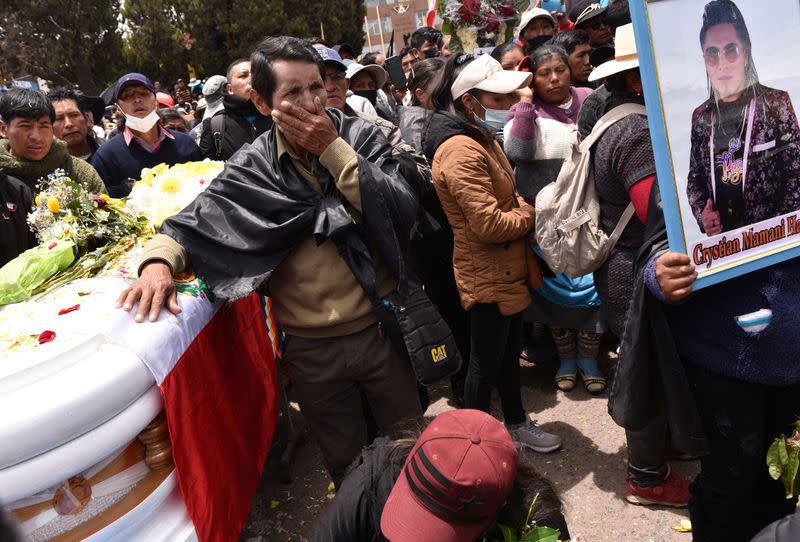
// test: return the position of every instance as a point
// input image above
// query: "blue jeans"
(734, 496)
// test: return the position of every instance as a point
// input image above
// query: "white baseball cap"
(535, 13)
(486, 73)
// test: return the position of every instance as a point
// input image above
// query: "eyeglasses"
(713, 54)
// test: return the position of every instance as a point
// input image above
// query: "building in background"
(393, 21)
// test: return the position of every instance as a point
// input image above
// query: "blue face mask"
(495, 118)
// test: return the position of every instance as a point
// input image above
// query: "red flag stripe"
(222, 405)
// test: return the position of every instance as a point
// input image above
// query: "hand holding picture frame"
(719, 84)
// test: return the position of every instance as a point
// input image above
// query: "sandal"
(593, 379)
(567, 375)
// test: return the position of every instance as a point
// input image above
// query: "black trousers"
(734, 496)
(495, 342)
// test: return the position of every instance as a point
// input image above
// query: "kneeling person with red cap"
(456, 483)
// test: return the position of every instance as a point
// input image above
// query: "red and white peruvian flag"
(217, 374)
(431, 17)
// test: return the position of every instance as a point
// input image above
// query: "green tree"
(344, 22)
(75, 43)
(224, 30)
(156, 42)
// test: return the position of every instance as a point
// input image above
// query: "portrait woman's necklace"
(732, 168)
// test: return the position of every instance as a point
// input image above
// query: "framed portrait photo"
(721, 88)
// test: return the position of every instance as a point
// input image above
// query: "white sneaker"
(530, 435)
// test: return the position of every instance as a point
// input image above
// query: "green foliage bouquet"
(100, 230)
(783, 460)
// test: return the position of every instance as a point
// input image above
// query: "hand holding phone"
(394, 66)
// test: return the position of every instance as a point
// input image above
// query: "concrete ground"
(588, 472)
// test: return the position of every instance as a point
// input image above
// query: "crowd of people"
(337, 177)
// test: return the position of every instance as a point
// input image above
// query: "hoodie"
(58, 158)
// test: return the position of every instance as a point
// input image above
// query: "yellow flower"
(105, 197)
(113, 202)
(170, 185)
(52, 204)
(38, 199)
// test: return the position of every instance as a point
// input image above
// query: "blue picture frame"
(665, 170)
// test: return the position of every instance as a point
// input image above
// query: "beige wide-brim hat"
(378, 74)
(625, 55)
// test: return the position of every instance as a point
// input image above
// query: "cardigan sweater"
(537, 140)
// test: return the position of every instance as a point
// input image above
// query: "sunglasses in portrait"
(731, 53)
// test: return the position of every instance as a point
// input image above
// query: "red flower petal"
(51, 246)
(68, 310)
(46, 336)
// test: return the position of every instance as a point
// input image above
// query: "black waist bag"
(414, 326)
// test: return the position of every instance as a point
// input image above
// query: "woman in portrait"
(745, 157)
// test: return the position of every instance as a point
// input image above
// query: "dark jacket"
(236, 129)
(95, 142)
(15, 203)
(772, 183)
(412, 121)
(650, 379)
(120, 165)
(259, 208)
(355, 513)
(400, 146)
(786, 529)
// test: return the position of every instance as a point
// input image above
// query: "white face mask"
(141, 125)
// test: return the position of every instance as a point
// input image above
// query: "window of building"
(386, 25)
(420, 16)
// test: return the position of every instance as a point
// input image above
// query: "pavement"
(588, 471)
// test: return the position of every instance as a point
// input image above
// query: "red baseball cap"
(164, 99)
(455, 480)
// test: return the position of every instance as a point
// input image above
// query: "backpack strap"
(609, 119)
(218, 133)
(605, 122)
(627, 214)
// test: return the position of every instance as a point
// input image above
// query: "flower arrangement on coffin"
(164, 190)
(472, 24)
(79, 235)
